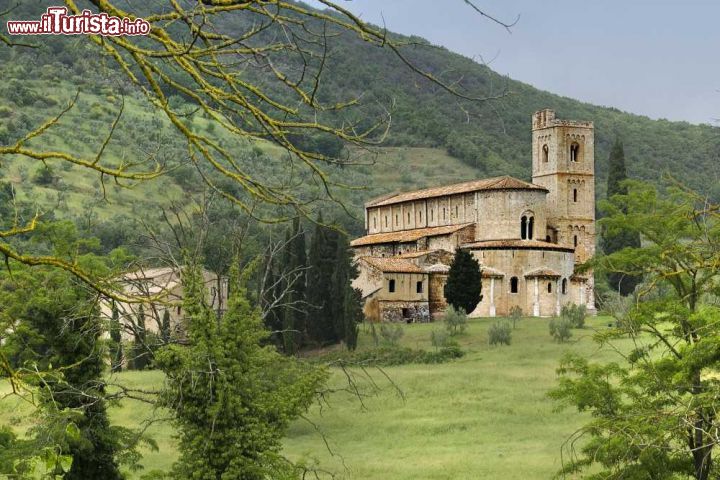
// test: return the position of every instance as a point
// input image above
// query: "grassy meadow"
(485, 415)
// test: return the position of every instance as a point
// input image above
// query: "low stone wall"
(409, 312)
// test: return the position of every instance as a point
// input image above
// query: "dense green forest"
(490, 137)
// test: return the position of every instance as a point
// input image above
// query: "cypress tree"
(347, 302)
(116, 352)
(464, 284)
(321, 309)
(616, 240)
(273, 318)
(140, 354)
(233, 399)
(295, 264)
(166, 326)
(67, 327)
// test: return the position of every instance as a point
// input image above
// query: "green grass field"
(483, 416)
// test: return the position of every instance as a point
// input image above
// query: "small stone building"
(166, 284)
(405, 287)
(529, 237)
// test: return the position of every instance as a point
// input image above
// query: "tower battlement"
(546, 119)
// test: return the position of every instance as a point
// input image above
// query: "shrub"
(455, 320)
(393, 356)
(516, 314)
(575, 314)
(439, 338)
(43, 176)
(391, 333)
(560, 329)
(500, 334)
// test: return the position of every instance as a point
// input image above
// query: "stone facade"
(528, 237)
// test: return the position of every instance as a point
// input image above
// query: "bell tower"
(563, 161)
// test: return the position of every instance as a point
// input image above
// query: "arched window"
(419, 287)
(531, 224)
(547, 238)
(397, 219)
(408, 217)
(545, 153)
(421, 215)
(432, 215)
(514, 285)
(575, 241)
(444, 213)
(575, 195)
(527, 226)
(575, 152)
(386, 220)
(564, 286)
(391, 286)
(549, 287)
(456, 211)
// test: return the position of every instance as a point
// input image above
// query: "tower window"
(575, 152)
(514, 285)
(421, 216)
(408, 217)
(575, 195)
(564, 286)
(523, 227)
(432, 215)
(391, 286)
(549, 287)
(575, 241)
(419, 287)
(545, 153)
(374, 222)
(397, 219)
(444, 214)
(386, 220)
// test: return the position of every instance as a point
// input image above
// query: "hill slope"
(489, 138)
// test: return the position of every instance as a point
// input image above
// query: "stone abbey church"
(528, 237)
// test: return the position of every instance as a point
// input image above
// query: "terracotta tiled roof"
(392, 264)
(417, 254)
(522, 244)
(407, 235)
(496, 183)
(543, 272)
(488, 272)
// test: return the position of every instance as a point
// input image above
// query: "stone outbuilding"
(529, 237)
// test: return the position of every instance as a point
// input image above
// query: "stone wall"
(516, 263)
(500, 212)
(403, 311)
(432, 212)
(436, 293)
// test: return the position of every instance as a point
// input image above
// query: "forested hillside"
(491, 137)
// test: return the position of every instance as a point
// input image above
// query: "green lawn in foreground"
(483, 416)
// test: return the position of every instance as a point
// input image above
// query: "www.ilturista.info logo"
(57, 22)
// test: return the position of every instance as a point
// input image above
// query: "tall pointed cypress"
(347, 302)
(320, 322)
(116, 352)
(463, 289)
(298, 310)
(617, 240)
